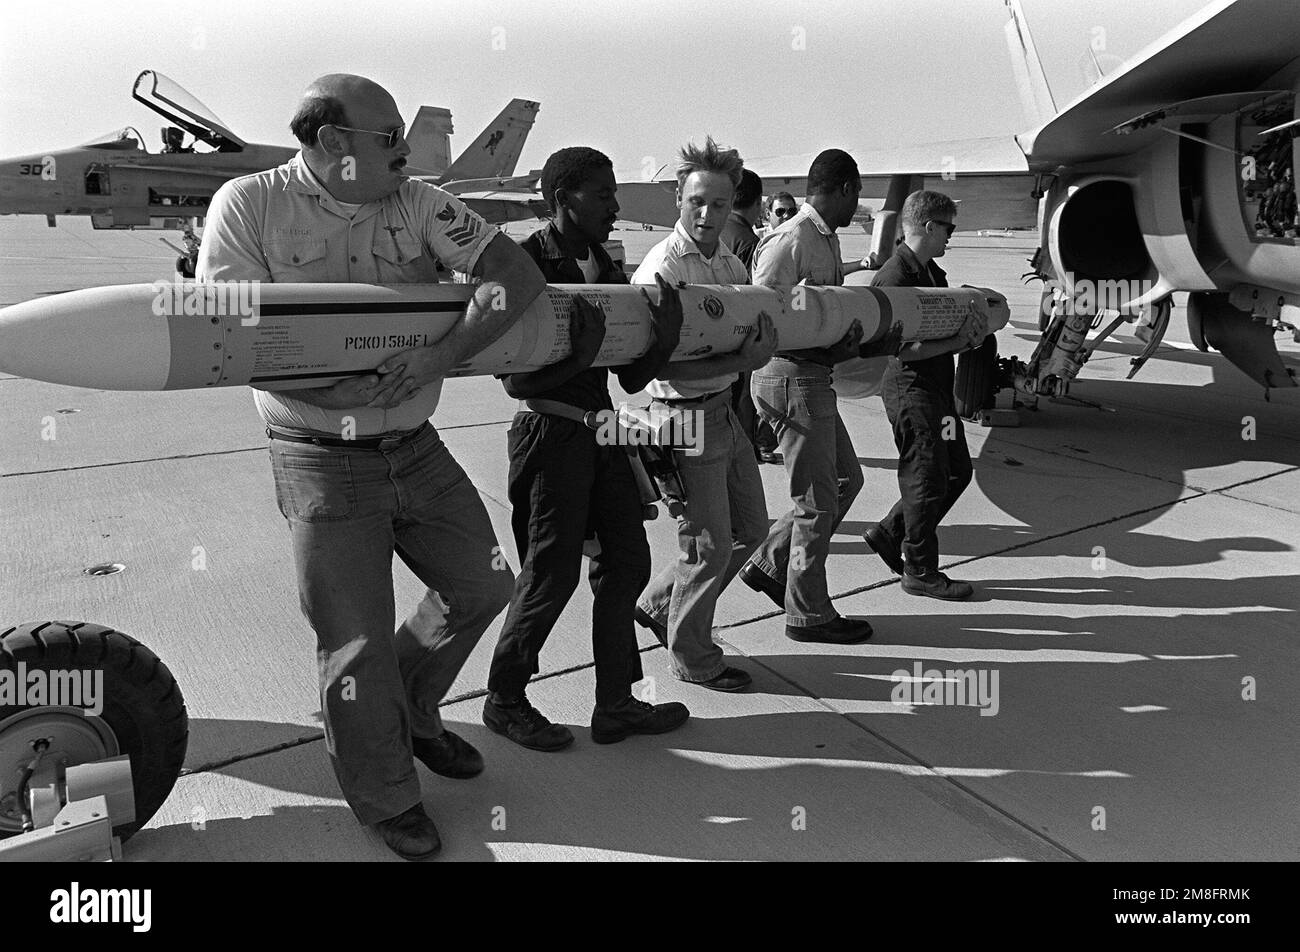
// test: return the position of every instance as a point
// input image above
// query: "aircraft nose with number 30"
(119, 184)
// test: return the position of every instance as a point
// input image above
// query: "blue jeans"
(796, 398)
(348, 511)
(724, 521)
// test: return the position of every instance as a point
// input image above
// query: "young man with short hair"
(934, 466)
(784, 207)
(725, 515)
(563, 482)
(739, 235)
(794, 394)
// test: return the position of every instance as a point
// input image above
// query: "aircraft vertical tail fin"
(1031, 81)
(429, 137)
(497, 149)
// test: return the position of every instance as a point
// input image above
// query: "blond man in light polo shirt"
(725, 516)
(359, 472)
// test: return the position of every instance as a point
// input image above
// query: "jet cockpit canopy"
(179, 108)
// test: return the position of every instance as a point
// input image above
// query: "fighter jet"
(487, 163)
(1174, 172)
(120, 184)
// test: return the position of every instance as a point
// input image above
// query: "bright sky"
(634, 78)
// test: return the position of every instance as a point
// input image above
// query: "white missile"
(165, 336)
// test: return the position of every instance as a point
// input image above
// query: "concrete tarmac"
(1133, 552)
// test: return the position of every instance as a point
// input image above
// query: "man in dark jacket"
(738, 234)
(562, 481)
(934, 464)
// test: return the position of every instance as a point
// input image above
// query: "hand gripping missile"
(165, 336)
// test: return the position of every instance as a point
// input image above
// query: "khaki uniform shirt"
(282, 225)
(679, 259)
(802, 250)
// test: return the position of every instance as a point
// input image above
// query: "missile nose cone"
(106, 338)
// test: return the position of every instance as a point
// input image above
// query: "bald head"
(338, 99)
(350, 130)
(342, 86)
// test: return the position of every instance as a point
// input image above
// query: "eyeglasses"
(783, 212)
(948, 226)
(392, 137)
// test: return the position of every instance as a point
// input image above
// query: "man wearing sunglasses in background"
(784, 207)
(359, 471)
(934, 464)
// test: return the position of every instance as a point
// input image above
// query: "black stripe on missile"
(886, 313)
(396, 307)
(332, 373)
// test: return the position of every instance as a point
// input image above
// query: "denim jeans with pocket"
(821, 465)
(349, 510)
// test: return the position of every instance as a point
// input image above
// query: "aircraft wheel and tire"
(184, 268)
(143, 713)
(976, 384)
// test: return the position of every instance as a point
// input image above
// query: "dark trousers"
(932, 471)
(561, 482)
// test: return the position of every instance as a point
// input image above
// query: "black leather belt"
(693, 401)
(361, 443)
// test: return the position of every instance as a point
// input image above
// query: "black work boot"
(629, 716)
(524, 724)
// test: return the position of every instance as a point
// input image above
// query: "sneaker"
(935, 584)
(731, 679)
(410, 834)
(884, 545)
(525, 725)
(609, 725)
(837, 631)
(759, 582)
(448, 755)
(647, 621)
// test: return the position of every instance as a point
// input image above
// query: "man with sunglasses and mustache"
(359, 471)
(934, 466)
